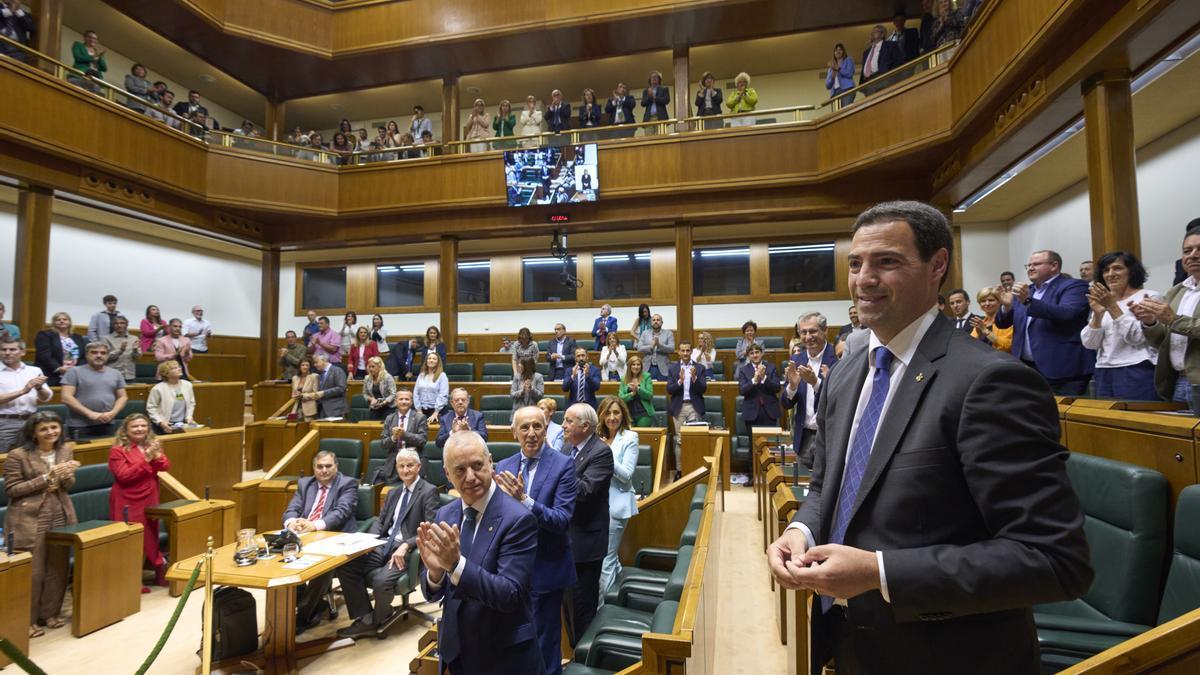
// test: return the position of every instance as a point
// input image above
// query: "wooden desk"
(189, 525)
(202, 458)
(280, 651)
(107, 582)
(16, 579)
(212, 367)
(696, 445)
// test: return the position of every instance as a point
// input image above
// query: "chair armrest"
(614, 644)
(667, 554)
(644, 588)
(1077, 624)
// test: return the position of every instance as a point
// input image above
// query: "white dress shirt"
(1120, 342)
(481, 507)
(685, 369)
(14, 379)
(537, 463)
(1187, 307)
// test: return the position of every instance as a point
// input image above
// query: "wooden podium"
(16, 578)
(107, 582)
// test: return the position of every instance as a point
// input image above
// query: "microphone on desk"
(206, 491)
(126, 513)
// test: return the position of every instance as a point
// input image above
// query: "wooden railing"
(1171, 648)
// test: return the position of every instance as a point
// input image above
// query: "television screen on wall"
(552, 175)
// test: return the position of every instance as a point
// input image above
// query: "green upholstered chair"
(643, 472)
(359, 408)
(718, 370)
(726, 342)
(376, 458)
(145, 373)
(460, 346)
(132, 407)
(365, 509)
(348, 452)
(610, 652)
(498, 372)
(59, 409)
(613, 619)
(503, 449)
(772, 342)
(543, 368)
(459, 372)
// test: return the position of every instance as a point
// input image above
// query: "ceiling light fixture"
(207, 78)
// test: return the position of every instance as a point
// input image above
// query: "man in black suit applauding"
(589, 524)
(939, 511)
(412, 502)
(758, 383)
(960, 305)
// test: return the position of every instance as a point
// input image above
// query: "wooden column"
(268, 326)
(1112, 168)
(683, 86)
(31, 271)
(48, 16)
(448, 293)
(275, 129)
(450, 130)
(683, 282)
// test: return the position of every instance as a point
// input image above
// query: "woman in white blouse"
(530, 123)
(704, 353)
(348, 330)
(431, 391)
(622, 493)
(379, 335)
(612, 359)
(1125, 361)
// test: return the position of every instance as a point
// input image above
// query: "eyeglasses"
(1035, 264)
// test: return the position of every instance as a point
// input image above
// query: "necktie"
(579, 391)
(468, 532)
(527, 464)
(867, 66)
(860, 451)
(319, 507)
(401, 427)
(400, 514)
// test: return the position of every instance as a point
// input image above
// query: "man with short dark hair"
(22, 387)
(686, 382)
(1006, 280)
(326, 342)
(1085, 270)
(461, 417)
(908, 39)
(655, 346)
(123, 349)
(589, 523)
(560, 353)
(290, 355)
(94, 393)
(583, 381)
(758, 385)
(848, 328)
(960, 309)
(101, 322)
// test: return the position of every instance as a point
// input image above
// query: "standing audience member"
(431, 391)
(1085, 270)
(89, 59)
(960, 309)
(379, 389)
(949, 26)
(172, 402)
(685, 395)
(1125, 361)
(603, 325)
(21, 388)
(135, 460)
(985, 328)
(524, 348)
(879, 57)
(479, 124)
(123, 349)
(325, 342)
(708, 101)
(1171, 325)
(758, 384)
(432, 341)
(742, 99)
(331, 389)
(593, 473)
(379, 335)
(506, 347)
(637, 391)
(705, 353)
(909, 39)
(927, 21)
(404, 429)
(17, 25)
(151, 328)
(543, 481)
(560, 353)
(362, 349)
(655, 99)
(622, 493)
(460, 417)
(1007, 279)
(589, 113)
(305, 382)
(642, 323)
(198, 330)
(845, 332)
(420, 124)
(558, 113)
(583, 381)
(620, 110)
(101, 322)
(6, 328)
(94, 393)
(805, 376)
(311, 328)
(174, 347)
(749, 337)
(839, 74)
(39, 472)
(528, 385)
(504, 125)
(1046, 320)
(290, 355)
(612, 358)
(58, 350)
(531, 123)
(347, 332)
(656, 346)
(191, 107)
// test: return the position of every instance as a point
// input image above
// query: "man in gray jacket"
(656, 346)
(331, 389)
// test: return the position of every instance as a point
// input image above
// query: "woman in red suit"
(135, 460)
(361, 351)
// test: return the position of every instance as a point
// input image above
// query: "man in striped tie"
(939, 510)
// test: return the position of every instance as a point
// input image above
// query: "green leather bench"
(459, 372)
(348, 452)
(498, 372)
(611, 652)
(614, 620)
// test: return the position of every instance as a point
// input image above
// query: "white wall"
(1062, 223)
(773, 314)
(90, 261)
(8, 253)
(1167, 199)
(984, 256)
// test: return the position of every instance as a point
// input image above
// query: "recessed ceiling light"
(335, 106)
(472, 90)
(208, 78)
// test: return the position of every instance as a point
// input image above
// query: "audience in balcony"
(151, 328)
(135, 460)
(839, 74)
(89, 59)
(379, 388)
(614, 429)
(949, 25)
(708, 101)
(531, 121)
(656, 346)
(304, 389)
(558, 113)
(619, 109)
(528, 385)
(984, 328)
(613, 358)
(57, 349)
(637, 391)
(136, 83)
(590, 111)
(927, 21)
(749, 337)
(431, 391)
(504, 125)
(171, 403)
(290, 355)
(123, 349)
(174, 346)
(162, 110)
(655, 99)
(743, 99)
(879, 57)
(479, 125)
(704, 352)
(362, 140)
(341, 143)
(1125, 361)
(427, 140)
(420, 124)
(909, 39)
(187, 109)
(393, 134)
(17, 25)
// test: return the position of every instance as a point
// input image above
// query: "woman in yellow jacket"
(742, 100)
(984, 328)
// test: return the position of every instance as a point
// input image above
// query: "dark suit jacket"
(340, 504)
(418, 355)
(966, 328)
(1054, 329)
(422, 507)
(591, 385)
(487, 619)
(48, 354)
(568, 359)
(474, 419)
(610, 326)
(890, 56)
(717, 99)
(589, 524)
(799, 402)
(627, 104)
(590, 120)
(675, 390)
(560, 121)
(553, 496)
(760, 402)
(927, 21)
(398, 362)
(416, 433)
(910, 44)
(661, 97)
(972, 510)
(333, 393)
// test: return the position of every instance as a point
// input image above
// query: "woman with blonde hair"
(362, 349)
(58, 349)
(637, 391)
(504, 125)
(622, 493)
(530, 123)
(171, 403)
(613, 359)
(431, 391)
(305, 381)
(704, 352)
(135, 460)
(379, 388)
(985, 328)
(742, 100)
(479, 126)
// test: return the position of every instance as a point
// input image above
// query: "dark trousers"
(656, 374)
(547, 616)
(839, 632)
(309, 598)
(1129, 383)
(371, 569)
(92, 430)
(585, 597)
(1076, 386)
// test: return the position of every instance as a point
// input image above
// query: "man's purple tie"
(860, 452)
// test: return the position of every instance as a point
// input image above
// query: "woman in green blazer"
(89, 57)
(639, 395)
(503, 124)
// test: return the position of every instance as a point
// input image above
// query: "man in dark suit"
(805, 375)
(589, 524)
(656, 99)
(399, 360)
(960, 306)
(939, 515)
(558, 113)
(582, 380)
(406, 427)
(560, 353)
(460, 418)
(331, 389)
(191, 106)
(909, 39)
(482, 576)
(1047, 315)
(619, 109)
(927, 21)
(412, 502)
(686, 382)
(543, 480)
(326, 500)
(879, 57)
(758, 384)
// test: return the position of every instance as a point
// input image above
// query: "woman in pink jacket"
(153, 327)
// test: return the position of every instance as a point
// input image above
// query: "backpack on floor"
(235, 623)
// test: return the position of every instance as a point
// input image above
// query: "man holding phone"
(805, 374)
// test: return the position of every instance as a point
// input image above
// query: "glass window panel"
(802, 268)
(548, 279)
(721, 271)
(400, 285)
(621, 275)
(323, 287)
(474, 282)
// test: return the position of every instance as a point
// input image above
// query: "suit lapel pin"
(920, 377)
(490, 529)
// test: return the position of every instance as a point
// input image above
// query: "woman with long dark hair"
(1125, 361)
(642, 323)
(528, 385)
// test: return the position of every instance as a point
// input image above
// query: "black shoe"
(358, 629)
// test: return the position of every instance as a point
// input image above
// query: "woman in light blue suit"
(622, 498)
(839, 76)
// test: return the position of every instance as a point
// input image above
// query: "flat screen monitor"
(553, 175)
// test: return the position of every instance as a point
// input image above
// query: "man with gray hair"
(605, 323)
(804, 376)
(589, 524)
(331, 388)
(22, 386)
(460, 418)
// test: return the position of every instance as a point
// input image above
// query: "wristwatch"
(1027, 300)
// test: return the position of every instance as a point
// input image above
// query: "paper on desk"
(303, 562)
(347, 543)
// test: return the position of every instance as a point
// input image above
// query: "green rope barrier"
(162, 640)
(18, 657)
